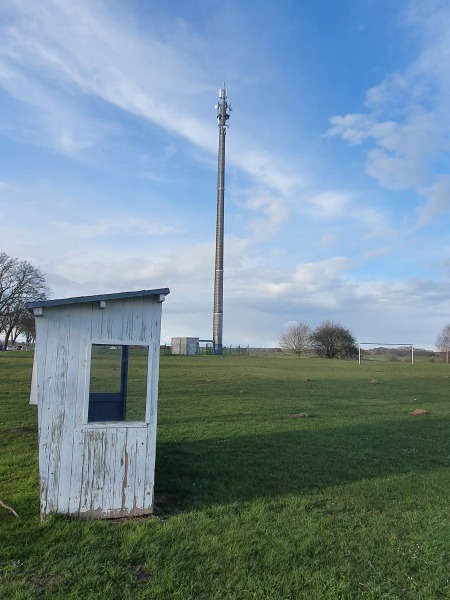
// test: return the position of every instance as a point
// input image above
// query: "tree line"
(332, 340)
(328, 340)
(20, 282)
(442, 342)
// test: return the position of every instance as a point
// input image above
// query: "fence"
(239, 350)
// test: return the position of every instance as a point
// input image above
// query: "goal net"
(378, 351)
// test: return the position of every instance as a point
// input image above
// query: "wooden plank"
(95, 450)
(137, 319)
(102, 456)
(48, 410)
(39, 358)
(138, 494)
(76, 398)
(65, 398)
(149, 478)
(33, 389)
(97, 316)
(152, 403)
(153, 365)
(62, 427)
(131, 496)
(115, 467)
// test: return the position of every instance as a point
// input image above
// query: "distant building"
(185, 345)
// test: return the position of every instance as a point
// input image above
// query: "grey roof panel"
(97, 298)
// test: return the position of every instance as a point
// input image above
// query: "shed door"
(108, 384)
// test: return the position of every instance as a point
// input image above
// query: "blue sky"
(337, 178)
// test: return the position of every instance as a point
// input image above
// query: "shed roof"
(99, 297)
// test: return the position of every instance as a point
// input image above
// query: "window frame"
(124, 422)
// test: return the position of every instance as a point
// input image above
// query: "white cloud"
(355, 128)
(379, 251)
(394, 172)
(264, 167)
(374, 223)
(438, 200)
(84, 48)
(391, 91)
(340, 208)
(90, 51)
(5, 187)
(55, 120)
(154, 177)
(331, 204)
(402, 150)
(314, 276)
(327, 240)
(407, 126)
(112, 227)
(275, 213)
(170, 151)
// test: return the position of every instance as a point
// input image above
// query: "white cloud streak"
(85, 49)
(112, 227)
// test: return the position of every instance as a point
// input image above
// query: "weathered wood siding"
(33, 391)
(93, 469)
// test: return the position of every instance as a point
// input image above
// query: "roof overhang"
(161, 293)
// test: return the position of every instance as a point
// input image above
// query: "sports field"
(253, 501)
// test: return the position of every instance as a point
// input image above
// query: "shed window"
(118, 383)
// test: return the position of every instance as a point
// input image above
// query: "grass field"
(252, 503)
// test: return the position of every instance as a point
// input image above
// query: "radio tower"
(223, 110)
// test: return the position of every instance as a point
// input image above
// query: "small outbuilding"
(185, 345)
(95, 380)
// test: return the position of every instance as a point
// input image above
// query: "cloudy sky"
(337, 177)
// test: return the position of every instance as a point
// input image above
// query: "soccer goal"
(378, 351)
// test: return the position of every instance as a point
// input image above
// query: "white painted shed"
(95, 380)
(185, 345)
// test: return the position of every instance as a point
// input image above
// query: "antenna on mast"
(223, 114)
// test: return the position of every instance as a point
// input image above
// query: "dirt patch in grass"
(140, 571)
(45, 581)
(119, 520)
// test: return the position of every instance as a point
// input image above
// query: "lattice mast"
(223, 110)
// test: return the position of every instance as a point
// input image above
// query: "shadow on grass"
(196, 474)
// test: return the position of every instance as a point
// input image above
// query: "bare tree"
(20, 282)
(296, 338)
(331, 340)
(443, 341)
(7, 267)
(27, 328)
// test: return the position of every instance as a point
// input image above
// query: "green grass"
(251, 502)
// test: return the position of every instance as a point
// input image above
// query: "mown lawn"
(252, 503)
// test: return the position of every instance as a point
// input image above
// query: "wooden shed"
(95, 379)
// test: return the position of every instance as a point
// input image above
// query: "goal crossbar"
(382, 345)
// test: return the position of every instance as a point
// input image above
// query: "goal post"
(376, 350)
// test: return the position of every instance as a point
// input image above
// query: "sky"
(337, 184)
